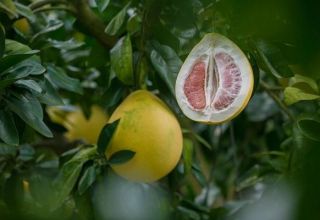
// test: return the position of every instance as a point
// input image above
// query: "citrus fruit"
(150, 129)
(22, 25)
(81, 128)
(215, 82)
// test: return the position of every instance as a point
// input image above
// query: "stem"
(92, 23)
(277, 100)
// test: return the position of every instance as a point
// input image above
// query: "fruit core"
(213, 82)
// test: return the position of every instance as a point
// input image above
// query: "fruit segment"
(194, 87)
(230, 81)
(223, 86)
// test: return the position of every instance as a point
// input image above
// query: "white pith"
(210, 45)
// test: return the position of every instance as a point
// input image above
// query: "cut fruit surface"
(215, 82)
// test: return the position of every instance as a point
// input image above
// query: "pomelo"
(215, 82)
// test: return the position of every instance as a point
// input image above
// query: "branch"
(277, 100)
(92, 23)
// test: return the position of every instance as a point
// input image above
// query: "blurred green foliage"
(262, 165)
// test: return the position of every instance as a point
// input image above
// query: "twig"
(277, 100)
(92, 23)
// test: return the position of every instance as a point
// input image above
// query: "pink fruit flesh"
(223, 93)
(231, 81)
(194, 86)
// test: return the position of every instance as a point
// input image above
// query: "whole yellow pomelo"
(86, 129)
(150, 129)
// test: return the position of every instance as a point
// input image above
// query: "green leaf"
(106, 136)
(14, 47)
(50, 95)
(187, 155)
(272, 58)
(102, 4)
(8, 130)
(121, 60)
(2, 40)
(117, 22)
(25, 68)
(9, 7)
(121, 156)
(25, 11)
(297, 80)
(293, 95)
(28, 108)
(198, 174)
(7, 61)
(309, 126)
(50, 28)
(60, 79)
(69, 174)
(7, 150)
(199, 139)
(70, 44)
(87, 179)
(26, 152)
(29, 84)
(167, 64)
(15, 53)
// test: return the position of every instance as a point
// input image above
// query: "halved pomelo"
(215, 82)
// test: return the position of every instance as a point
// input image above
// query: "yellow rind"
(149, 128)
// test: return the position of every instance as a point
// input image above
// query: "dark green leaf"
(29, 84)
(121, 156)
(116, 23)
(199, 138)
(69, 174)
(9, 7)
(25, 68)
(7, 150)
(197, 172)
(26, 153)
(114, 93)
(187, 155)
(8, 61)
(102, 4)
(50, 95)
(87, 179)
(121, 60)
(167, 64)
(25, 11)
(59, 78)
(28, 108)
(106, 136)
(48, 29)
(309, 126)
(272, 58)
(65, 45)
(8, 130)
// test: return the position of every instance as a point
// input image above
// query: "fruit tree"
(159, 109)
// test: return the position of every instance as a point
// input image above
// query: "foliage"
(80, 52)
